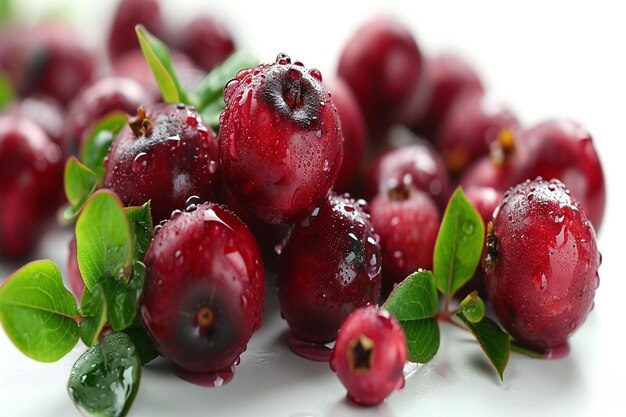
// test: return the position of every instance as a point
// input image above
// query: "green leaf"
(211, 90)
(122, 297)
(104, 245)
(80, 183)
(472, 307)
(492, 339)
(38, 313)
(528, 351)
(140, 222)
(93, 310)
(414, 303)
(143, 343)
(7, 93)
(96, 147)
(459, 245)
(105, 379)
(158, 56)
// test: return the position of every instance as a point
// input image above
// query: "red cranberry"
(107, 95)
(207, 42)
(130, 13)
(29, 163)
(407, 221)
(165, 155)
(75, 278)
(448, 76)
(369, 355)
(354, 132)
(204, 290)
(280, 140)
(417, 164)
(329, 267)
(541, 265)
(383, 66)
(46, 60)
(470, 126)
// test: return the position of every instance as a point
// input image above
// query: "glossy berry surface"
(204, 289)
(329, 267)
(164, 155)
(417, 164)
(407, 221)
(207, 42)
(130, 13)
(75, 278)
(29, 167)
(354, 132)
(280, 140)
(383, 66)
(369, 355)
(470, 126)
(541, 264)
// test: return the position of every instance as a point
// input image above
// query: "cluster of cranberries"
(394, 126)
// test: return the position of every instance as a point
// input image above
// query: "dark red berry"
(130, 13)
(354, 132)
(207, 42)
(164, 155)
(383, 66)
(329, 267)
(470, 126)
(417, 164)
(204, 290)
(541, 264)
(107, 95)
(48, 59)
(369, 355)
(280, 140)
(29, 166)
(407, 221)
(448, 76)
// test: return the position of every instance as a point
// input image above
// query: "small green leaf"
(492, 339)
(158, 56)
(93, 310)
(38, 313)
(7, 93)
(473, 307)
(105, 379)
(211, 89)
(414, 303)
(122, 297)
(80, 183)
(459, 245)
(96, 147)
(140, 222)
(143, 343)
(104, 245)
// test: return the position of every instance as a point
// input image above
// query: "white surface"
(545, 59)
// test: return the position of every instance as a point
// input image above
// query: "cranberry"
(29, 164)
(407, 221)
(329, 267)
(130, 13)
(48, 59)
(369, 355)
(165, 155)
(384, 67)
(75, 278)
(541, 265)
(470, 126)
(354, 132)
(417, 164)
(204, 290)
(107, 95)
(448, 76)
(280, 140)
(207, 42)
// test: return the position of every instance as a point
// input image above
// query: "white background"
(544, 59)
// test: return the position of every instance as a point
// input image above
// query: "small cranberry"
(130, 13)
(207, 42)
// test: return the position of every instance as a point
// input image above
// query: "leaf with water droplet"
(93, 310)
(472, 307)
(38, 313)
(122, 296)
(140, 221)
(99, 140)
(459, 245)
(79, 182)
(414, 304)
(105, 379)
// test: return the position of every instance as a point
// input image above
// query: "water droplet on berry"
(192, 203)
(212, 167)
(530, 328)
(596, 281)
(321, 298)
(178, 257)
(326, 167)
(283, 59)
(175, 214)
(140, 162)
(315, 73)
